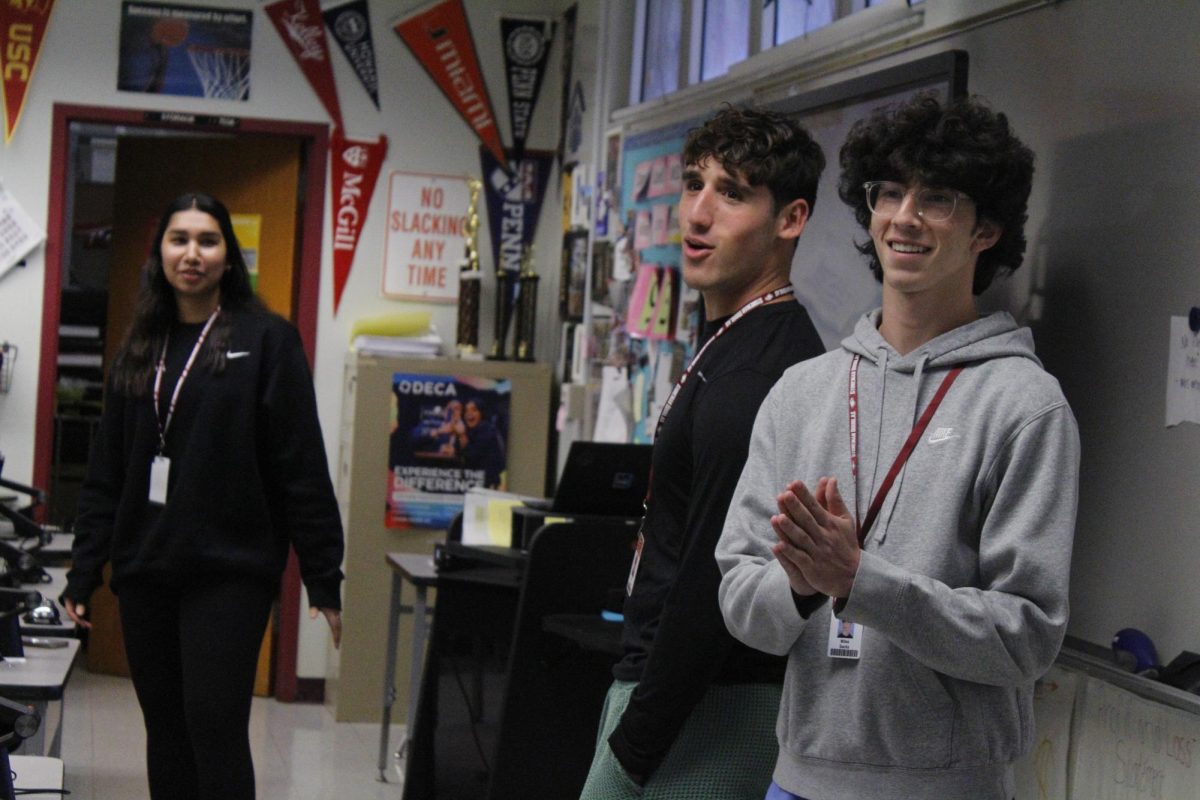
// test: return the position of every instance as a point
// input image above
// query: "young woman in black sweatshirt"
(208, 465)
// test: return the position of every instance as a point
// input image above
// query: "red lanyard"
(158, 374)
(774, 294)
(905, 451)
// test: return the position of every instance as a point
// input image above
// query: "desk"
(534, 693)
(38, 679)
(56, 551)
(590, 631)
(37, 772)
(419, 570)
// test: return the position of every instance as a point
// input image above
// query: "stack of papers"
(428, 345)
(487, 516)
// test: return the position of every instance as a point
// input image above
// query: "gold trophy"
(526, 307)
(469, 276)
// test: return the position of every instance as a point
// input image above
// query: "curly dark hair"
(961, 144)
(765, 147)
(156, 310)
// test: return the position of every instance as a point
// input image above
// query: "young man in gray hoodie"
(924, 477)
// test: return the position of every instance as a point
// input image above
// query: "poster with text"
(449, 433)
(426, 236)
(194, 51)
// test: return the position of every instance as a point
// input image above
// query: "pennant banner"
(526, 45)
(440, 39)
(299, 23)
(568, 57)
(355, 167)
(514, 202)
(24, 26)
(350, 24)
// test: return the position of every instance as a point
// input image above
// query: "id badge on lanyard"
(160, 473)
(160, 466)
(845, 638)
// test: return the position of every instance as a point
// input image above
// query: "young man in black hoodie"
(691, 711)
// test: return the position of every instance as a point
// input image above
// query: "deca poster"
(449, 433)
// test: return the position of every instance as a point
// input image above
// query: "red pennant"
(23, 26)
(356, 166)
(302, 29)
(440, 39)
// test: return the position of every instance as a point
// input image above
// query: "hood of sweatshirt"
(994, 335)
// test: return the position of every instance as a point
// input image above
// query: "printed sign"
(448, 434)
(426, 236)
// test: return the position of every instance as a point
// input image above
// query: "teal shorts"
(725, 751)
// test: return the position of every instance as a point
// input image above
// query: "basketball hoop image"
(224, 71)
(173, 50)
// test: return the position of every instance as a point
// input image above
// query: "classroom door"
(258, 180)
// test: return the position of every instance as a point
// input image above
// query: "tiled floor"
(300, 753)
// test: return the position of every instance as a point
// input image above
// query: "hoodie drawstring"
(918, 380)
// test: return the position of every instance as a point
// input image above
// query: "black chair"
(555, 687)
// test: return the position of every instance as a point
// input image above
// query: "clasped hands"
(818, 539)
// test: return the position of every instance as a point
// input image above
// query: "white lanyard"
(774, 294)
(164, 425)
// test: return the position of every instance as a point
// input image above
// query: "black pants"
(193, 650)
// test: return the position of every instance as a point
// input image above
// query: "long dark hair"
(156, 310)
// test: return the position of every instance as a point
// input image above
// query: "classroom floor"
(300, 753)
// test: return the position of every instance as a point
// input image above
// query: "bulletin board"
(660, 315)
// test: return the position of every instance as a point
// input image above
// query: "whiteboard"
(1043, 774)
(1125, 747)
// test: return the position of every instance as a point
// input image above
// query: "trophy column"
(469, 279)
(526, 308)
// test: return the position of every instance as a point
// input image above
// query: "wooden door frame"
(305, 288)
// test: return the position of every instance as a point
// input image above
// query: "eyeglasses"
(933, 204)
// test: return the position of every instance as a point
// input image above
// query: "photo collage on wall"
(645, 344)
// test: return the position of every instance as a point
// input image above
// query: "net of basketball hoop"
(224, 72)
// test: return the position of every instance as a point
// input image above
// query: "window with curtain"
(726, 36)
(664, 44)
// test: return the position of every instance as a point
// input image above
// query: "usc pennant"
(23, 26)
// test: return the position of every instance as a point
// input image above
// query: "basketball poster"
(194, 51)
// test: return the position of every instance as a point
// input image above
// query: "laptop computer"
(603, 478)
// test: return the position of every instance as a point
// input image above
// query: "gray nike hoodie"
(962, 584)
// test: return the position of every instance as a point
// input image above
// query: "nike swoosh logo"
(237, 354)
(938, 439)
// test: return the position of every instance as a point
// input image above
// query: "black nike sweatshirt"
(248, 472)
